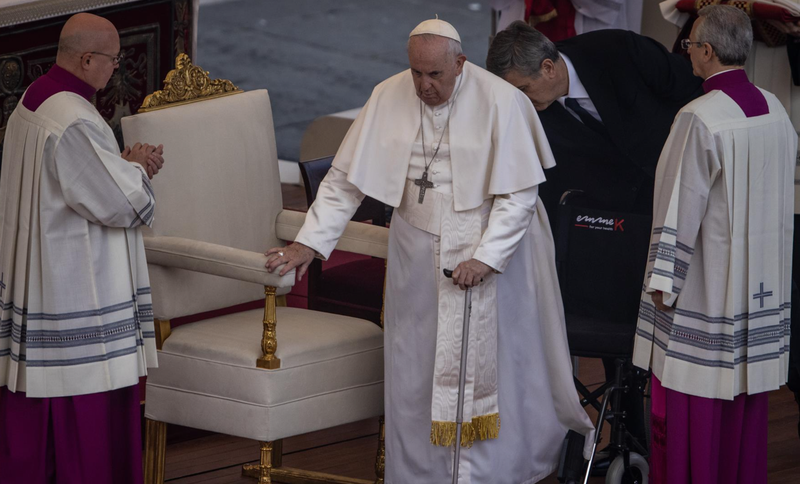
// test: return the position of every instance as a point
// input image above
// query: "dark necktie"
(586, 118)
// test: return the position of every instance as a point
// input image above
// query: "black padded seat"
(590, 338)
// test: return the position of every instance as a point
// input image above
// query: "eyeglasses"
(114, 58)
(685, 43)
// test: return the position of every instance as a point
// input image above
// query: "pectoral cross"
(423, 185)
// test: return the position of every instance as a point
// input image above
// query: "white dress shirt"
(577, 92)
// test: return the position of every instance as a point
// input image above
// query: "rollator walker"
(601, 257)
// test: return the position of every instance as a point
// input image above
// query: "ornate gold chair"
(219, 207)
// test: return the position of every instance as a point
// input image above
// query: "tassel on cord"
(485, 427)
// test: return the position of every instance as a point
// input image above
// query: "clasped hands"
(296, 255)
(150, 157)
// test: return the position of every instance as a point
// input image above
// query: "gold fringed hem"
(533, 21)
(485, 427)
(443, 433)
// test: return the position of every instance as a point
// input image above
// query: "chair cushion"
(595, 338)
(331, 373)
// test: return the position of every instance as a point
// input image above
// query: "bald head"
(435, 63)
(86, 48)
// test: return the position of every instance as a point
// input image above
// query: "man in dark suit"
(606, 100)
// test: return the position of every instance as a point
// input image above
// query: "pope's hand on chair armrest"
(294, 256)
(208, 258)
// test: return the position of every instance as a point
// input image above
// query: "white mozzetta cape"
(721, 251)
(76, 311)
(492, 145)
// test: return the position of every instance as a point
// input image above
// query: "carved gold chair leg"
(263, 470)
(380, 459)
(270, 471)
(155, 451)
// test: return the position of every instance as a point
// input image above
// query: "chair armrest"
(208, 258)
(359, 238)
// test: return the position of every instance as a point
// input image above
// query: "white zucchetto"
(436, 27)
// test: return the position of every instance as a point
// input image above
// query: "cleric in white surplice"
(459, 152)
(715, 307)
(76, 326)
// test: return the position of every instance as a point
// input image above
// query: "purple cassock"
(69, 440)
(706, 440)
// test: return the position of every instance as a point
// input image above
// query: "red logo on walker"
(600, 223)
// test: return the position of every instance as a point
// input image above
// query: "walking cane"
(462, 375)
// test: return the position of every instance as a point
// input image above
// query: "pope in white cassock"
(459, 152)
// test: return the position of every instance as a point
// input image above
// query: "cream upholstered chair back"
(224, 192)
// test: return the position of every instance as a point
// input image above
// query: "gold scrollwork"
(187, 83)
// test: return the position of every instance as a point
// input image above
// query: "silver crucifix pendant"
(423, 185)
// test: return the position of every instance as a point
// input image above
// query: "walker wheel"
(637, 473)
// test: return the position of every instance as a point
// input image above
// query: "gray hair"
(728, 30)
(521, 48)
(453, 46)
